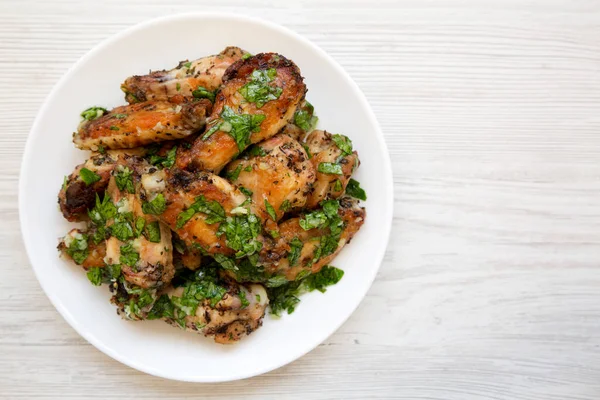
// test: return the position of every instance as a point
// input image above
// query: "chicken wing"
(77, 195)
(138, 241)
(276, 173)
(183, 80)
(309, 242)
(227, 312)
(334, 161)
(196, 204)
(141, 124)
(259, 96)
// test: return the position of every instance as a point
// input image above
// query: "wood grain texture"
(490, 288)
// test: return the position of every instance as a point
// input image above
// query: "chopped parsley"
(276, 281)
(247, 192)
(241, 232)
(204, 93)
(270, 211)
(286, 297)
(243, 299)
(153, 232)
(327, 276)
(274, 233)
(93, 112)
(99, 275)
(246, 56)
(327, 217)
(89, 177)
(178, 86)
(258, 90)
(330, 168)
(140, 223)
(122, 229)
(343, 143)
(305, 119)
(248, 168)
(307, 149)
(162, 308)
(285, 206)
(353, 189)
(257, 151)
(155, 207)
(233, 175)
(213, 210)
(238, 126)
(102, 211)
(114, 128)
(101, 149)
(65, 182)
(120, 116)
(337, 186)
(296, 246)
(95, 276)
(78, 249)
(128, 255)
(124, 179)
(162, 161)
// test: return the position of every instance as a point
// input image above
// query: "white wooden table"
(490, 288)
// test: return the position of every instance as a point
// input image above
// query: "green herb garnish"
(353, 189)
(93, 112)
(153, 232)
(213, 210)
(296, 246)
(155, 207)
(270, 211)
(78, 249)
(124, 179)
(128, 255)
(258, 90)
(305, 119)
(330, 168)
(343, 143)
(89, 177)
(204, 93)
(238, 126)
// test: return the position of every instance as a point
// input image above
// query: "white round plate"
(153, 346)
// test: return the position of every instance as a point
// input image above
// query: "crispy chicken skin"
(214, 152)
(182, 80)
(275, 258)
(323, 149)
(141, 124)
(155, 265)
(181, 190)
(96, 252)
(280, 175)
(229, 320)
(75, 197)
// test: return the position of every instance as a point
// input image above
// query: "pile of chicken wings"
(210, 196)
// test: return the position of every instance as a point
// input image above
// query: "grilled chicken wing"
(146, 257)
(141, 124)
(205, 72)
(324, 150)
(278, 173)
(237, 314)
(299, 250)
(76, 197)
(206, 198)
(258, 97)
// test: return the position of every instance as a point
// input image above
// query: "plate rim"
(26, 162)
